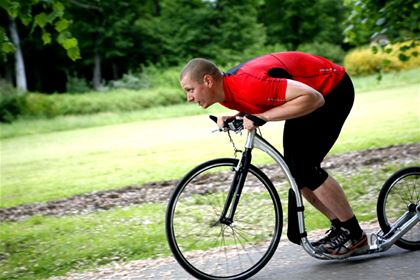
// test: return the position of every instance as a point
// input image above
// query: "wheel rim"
(402, 195)
(216, 250)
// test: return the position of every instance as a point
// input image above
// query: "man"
(314, 96)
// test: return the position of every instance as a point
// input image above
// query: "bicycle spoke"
(225, 250)
(399, 192)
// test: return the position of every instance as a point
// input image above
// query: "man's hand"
(250, 124)
(221, 121)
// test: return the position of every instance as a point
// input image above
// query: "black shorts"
(308, 139)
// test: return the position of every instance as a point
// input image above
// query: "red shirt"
(252, 88)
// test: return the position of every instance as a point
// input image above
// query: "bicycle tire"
(401, 189)
(193, 231)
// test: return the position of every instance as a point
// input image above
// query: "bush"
(121, 100)
(363, 61)
(152, 76)
(128, 81)
(10, 100)
(75, 84)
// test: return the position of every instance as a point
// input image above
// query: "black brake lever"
(213, 118)
(231, 124)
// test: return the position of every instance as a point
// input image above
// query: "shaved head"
(198, 67)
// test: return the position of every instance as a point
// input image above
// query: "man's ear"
(208, 80)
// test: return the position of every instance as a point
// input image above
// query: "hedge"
(121, 100)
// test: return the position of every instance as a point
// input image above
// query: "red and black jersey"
(260, 84)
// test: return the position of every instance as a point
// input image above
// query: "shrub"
(75, 84)
(39, 105)
(152, 76)
(363, 61)
(10, 100)
(120, 100)
(128, 81)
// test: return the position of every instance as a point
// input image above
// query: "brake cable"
(235, 149)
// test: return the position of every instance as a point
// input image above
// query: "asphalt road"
(292, 262)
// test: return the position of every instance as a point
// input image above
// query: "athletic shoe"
(343, 245)
(329, 234)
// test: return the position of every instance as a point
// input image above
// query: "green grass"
(32, 126)
(44, 246)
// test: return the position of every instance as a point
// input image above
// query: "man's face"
(199, 93)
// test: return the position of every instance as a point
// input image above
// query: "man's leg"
(331, 195)
(313, 199)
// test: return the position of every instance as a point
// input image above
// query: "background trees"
(293, 23)
(117, 37)
(385, 22)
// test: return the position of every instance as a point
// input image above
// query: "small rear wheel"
(399, 194)
(210, 249)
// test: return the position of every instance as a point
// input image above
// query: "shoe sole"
(358, 251)
(360, 248)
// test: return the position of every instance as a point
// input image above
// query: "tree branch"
(86, 6)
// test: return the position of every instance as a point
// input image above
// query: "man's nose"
(190, 98)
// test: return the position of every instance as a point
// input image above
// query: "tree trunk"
(156, 8)
(19, 62)
(97, 71)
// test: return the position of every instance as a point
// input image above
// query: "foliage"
(75, 84)
(219, 30)
(44, 15)
(152, 88)
(293, 23)
(158, 76)
(128, 81)
(105, 28)
(385, 22)
(10, 100)
(122, 100)
(363, 61)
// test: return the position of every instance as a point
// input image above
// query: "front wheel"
(399, 194)
(210, 249)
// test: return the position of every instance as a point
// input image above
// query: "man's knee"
(311, 178)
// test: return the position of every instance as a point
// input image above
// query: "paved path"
(290, 262)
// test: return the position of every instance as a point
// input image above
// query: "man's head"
(202, 80)
(197, 68)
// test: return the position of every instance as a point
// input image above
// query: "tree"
(106, 30)
(21, 83)
(293, 23)
(219, 30)
(385, 22)
(43, 15)
(238, 30)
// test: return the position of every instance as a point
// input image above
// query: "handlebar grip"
(213, 118)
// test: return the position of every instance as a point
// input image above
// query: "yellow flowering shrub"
(363, 61)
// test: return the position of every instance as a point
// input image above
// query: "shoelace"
(340, 239)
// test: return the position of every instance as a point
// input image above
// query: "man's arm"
(300, 100)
